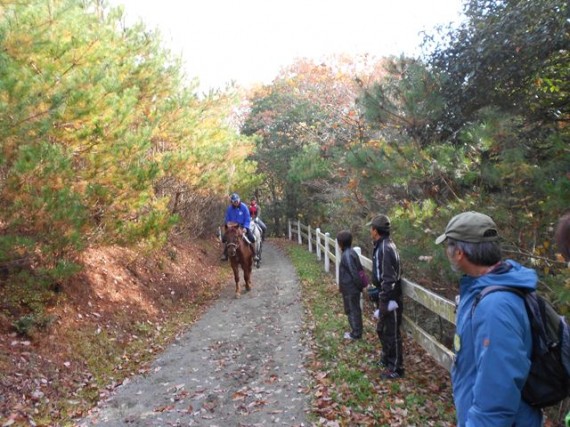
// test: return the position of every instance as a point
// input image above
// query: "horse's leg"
(260, 247)
(258, 251)
(235, 268)
(247, 274)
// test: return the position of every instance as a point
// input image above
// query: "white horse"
(256, 231)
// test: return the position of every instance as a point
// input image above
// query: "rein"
(234, 244)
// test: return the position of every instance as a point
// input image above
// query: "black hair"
(484, 253)
(385, 231)
(344, 239)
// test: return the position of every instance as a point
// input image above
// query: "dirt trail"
(241, 364)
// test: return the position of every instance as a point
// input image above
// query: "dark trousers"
(249, 235)
(354, 313)
(388, 330)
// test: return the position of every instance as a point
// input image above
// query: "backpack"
(548, 381)
(363, 279)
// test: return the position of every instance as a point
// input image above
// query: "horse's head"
(233, 236)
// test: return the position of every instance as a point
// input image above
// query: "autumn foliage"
(101, 138)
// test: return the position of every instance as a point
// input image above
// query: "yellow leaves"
(94, 119)
(17, 43)
(353, 184)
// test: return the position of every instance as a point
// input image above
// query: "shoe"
(224, 258)
(389, 374)
(256, 258)
(348, 336)
(380, 363)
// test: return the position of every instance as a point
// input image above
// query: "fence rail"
(327, 249)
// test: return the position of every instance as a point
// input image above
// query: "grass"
(345, 385)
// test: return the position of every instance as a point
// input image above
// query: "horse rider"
(254, 212)
(238, 213)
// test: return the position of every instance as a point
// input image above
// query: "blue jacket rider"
(238, 212)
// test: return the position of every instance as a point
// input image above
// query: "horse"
(256, 231)
(240, 253)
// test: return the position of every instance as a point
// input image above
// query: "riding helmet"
(234, 197)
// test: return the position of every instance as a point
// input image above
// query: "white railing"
(444, 308)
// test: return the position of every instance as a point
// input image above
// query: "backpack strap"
(490, 289)
(535, 310)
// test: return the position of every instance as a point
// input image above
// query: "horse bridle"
(233, 244)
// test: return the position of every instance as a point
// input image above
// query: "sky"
(249, 41)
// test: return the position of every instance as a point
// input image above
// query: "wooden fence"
(327, 249)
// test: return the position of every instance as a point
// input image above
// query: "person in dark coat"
(386, 276)
(350, 284)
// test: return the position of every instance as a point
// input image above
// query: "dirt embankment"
(121, 297)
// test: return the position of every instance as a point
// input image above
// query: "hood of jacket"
(507, 273)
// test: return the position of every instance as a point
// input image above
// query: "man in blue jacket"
(493, 342)
(238, 212)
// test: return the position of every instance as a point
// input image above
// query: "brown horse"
(240, 253)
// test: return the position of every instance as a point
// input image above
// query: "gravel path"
(241, 364)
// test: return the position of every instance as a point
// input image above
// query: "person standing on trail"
(237, 212)
(350, 284)
(562, 236)
(386, 276)
(255, 212)
(492, 343)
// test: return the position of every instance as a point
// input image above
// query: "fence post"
(327, 260)
(337, 261)
(358, 250)
(289, 229)
(310, 238)
(299, 237)
(318, 242)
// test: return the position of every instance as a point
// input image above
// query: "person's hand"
(392, 305)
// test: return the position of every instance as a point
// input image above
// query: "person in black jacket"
(350, 284)
(386, 276)
(562, 236)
